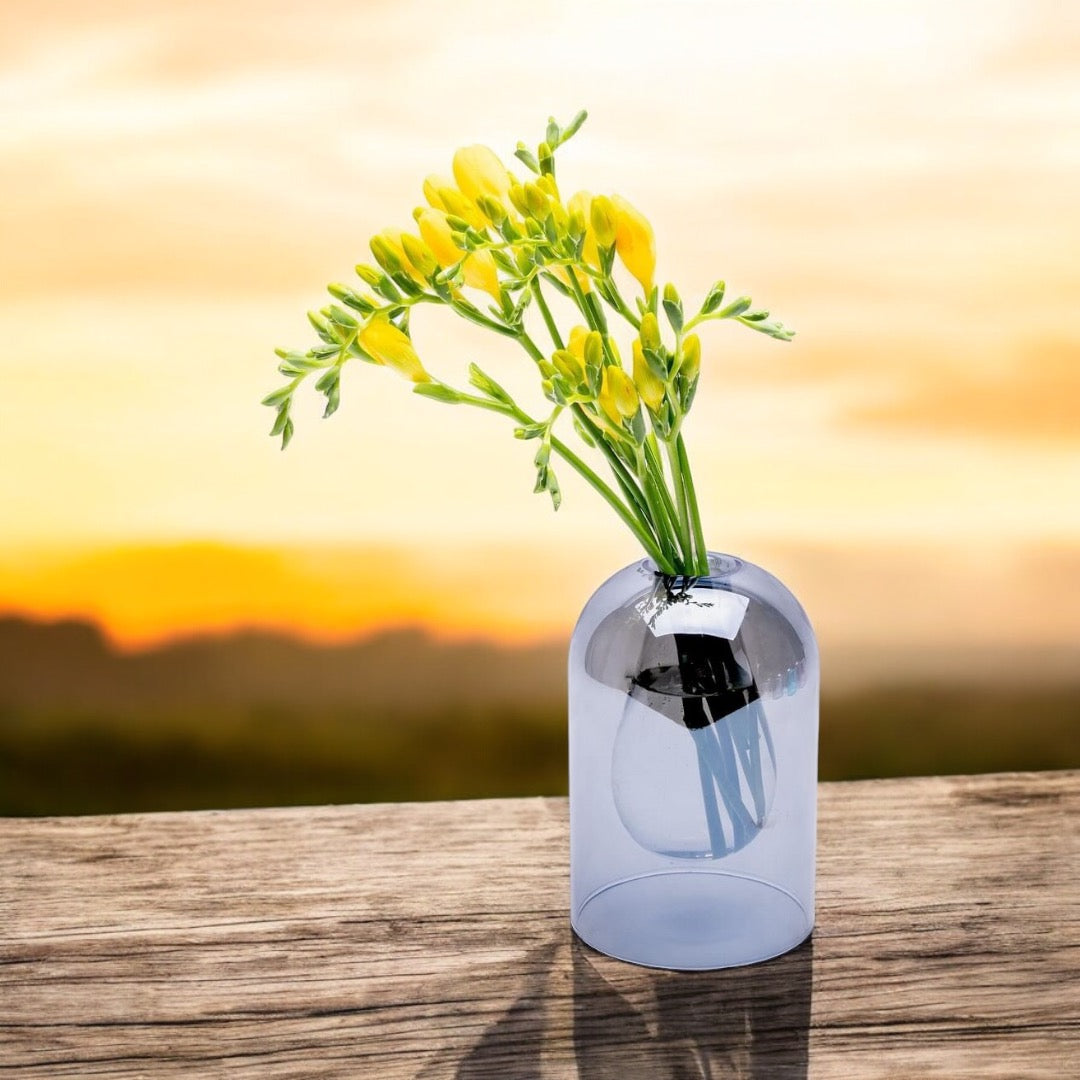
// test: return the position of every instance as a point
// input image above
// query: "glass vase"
(693, 767)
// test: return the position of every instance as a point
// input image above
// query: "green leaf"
(287, 434)
(551, 135)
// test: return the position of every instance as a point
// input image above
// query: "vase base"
(692, 920)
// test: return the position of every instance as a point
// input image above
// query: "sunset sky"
(898, 182)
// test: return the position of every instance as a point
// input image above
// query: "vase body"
(693, 767)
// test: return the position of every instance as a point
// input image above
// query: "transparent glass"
(693, 767)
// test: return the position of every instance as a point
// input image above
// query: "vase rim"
(720, 565)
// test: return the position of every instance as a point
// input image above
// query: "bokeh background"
(189, 617)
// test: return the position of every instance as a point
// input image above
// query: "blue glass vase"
(693, 767)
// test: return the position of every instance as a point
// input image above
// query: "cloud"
(1037, 398)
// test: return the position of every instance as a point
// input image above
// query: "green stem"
(644, 537)
(677, 520)
(618, 303)
(541, 303)
(622, 473)
(636, 526)
(590, 313)
(692, 503)
(682, 503)
(529, 345)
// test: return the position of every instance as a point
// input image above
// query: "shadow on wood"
(607, 1020)
(751, 1022)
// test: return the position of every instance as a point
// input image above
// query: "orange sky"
(897, 182)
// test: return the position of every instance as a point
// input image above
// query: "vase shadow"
(749, 1022)
(578, 1013)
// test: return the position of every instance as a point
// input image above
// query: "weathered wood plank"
(431, 940)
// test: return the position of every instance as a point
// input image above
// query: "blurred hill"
(255, 719)
(70, 666)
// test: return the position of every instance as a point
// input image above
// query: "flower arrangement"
(490, 246)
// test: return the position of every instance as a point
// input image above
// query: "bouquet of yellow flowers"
(490, 246)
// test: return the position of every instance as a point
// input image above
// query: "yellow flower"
(388, 345)
(603, 219)
(576, 343)
(480, 270)
(437, 234)
(634, 242)
(648, 385)
(482, 273)
(479, 172)
(442, 195)
(390, 254)
(618, 397)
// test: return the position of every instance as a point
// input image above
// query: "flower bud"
(479, 172)
(576, 344)
(369, 275)
(560, 218)
(536, 202)
(648, 385)
(492, 209)
(634, 242)
(439, 237)
(580, 205)
(650, 331)
(568, 366)
(673, 307)
(385, 255)
(690, 365)
(594, 349)
(442, 195)
(482, 273)
(419, 254)
(433, 185)
(517, 199)
(389, 252)
(388, 345)
(618, 397)
(604, 221)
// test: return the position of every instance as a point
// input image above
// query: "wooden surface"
(431, 940)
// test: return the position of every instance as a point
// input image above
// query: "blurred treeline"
(259, 721)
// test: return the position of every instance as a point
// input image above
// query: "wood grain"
(431, 940)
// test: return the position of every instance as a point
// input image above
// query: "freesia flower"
(479, 172)
(442, 195)
(618, 397)
(479, 268)
(649, 386)
(388, 345)
(634, 242)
